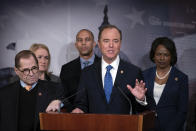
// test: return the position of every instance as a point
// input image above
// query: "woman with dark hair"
(167, 87)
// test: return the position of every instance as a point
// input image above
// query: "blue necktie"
(108, 84)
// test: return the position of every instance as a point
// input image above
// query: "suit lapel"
(120, 75)
(167, 88)
(150, 79)
(120, 80)
(41, 91)
(40, 96)
(151, 82)
(98, 71)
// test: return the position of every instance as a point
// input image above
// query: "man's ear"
(16, 70)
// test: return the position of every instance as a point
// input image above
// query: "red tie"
(28, 88)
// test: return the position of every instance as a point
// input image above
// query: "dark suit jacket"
(91, 98)
(9, 100)
(70, 77)
(172, 107)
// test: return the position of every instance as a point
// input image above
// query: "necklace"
(164, 75)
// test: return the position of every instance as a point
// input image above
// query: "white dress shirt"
(113, 71)
(158, 90)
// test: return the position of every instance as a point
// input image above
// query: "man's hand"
(77, 110)
(139, 90)
(54, 106)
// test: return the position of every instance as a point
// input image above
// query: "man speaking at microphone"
(110, 86)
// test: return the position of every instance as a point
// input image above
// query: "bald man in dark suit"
(70, 72)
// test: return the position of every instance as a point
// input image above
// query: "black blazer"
(91, 98)
(9, 100)
(172, 107)
(70, 76)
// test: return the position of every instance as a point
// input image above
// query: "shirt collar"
(24, 84)
(114, 64)
(90, 60)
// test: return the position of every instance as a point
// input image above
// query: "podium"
(96, 122)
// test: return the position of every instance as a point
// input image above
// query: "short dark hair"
(24, 54)
(168, 44)
(109, 27)
(91, 33)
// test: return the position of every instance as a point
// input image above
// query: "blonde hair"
(37, 46)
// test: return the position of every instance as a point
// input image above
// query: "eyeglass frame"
(35, 68)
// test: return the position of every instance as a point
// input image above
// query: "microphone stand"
(127, 98)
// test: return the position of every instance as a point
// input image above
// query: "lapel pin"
(176, 78)
(39, 94)
(121, 72)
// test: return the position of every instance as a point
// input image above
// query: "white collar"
(114, 64)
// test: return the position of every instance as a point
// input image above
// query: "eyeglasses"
(26, 71)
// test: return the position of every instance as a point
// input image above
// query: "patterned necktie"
(86, 63)
(108, 84)
(28, 88)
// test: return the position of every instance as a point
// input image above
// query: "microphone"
(123, 93)
(65, 100)
(127, 98)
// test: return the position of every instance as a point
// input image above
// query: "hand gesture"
(139, 90)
